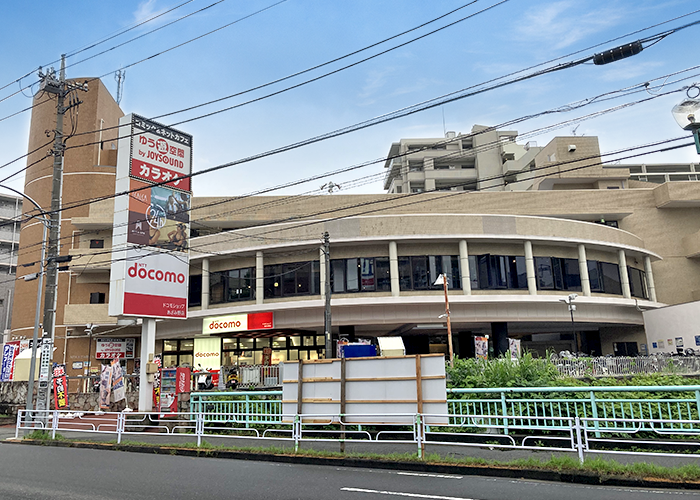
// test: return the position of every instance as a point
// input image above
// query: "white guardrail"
(571, 434)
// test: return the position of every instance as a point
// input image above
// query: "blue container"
(359, 351)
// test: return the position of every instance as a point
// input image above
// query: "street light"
(687, 114)
(442, 280)
(35, 336)
(569, 301)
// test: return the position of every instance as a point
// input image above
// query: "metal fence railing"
(259, 376)
(572, 434)
(534, 408)
(620, 366)
(547, 407)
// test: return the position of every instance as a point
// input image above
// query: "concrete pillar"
(624, 276)
(205, 284)
(464, 261)
(583, 270)
(322, 274)
(530, 269)
(148, 347)
(259, 278)
(394, 268)
(499, 336)
(650, 278)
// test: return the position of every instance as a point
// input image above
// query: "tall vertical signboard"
(150, 257)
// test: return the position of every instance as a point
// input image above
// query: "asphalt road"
(66, 473)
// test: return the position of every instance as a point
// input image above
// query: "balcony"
(82, 314)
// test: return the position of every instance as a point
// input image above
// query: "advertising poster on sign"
(481, 347)
(158, 217)
(60, 388)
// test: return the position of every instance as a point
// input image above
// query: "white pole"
(148, 347)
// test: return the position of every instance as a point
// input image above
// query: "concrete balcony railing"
(82, 314)
(90, 260)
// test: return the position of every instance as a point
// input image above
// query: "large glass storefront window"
(363, 274)
(420, 272)
(298, 278)
(178, 352)
(554, 273)
(231, 286)
(247, 351)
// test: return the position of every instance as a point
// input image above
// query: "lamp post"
(687, 114)
(569, 301)
(35, 336)
(442, 280)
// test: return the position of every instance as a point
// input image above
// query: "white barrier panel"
(383, 390)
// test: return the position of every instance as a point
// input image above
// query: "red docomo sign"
(141, 271)
(206, 354)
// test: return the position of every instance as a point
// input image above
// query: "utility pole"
(327, 284)
(61, 89)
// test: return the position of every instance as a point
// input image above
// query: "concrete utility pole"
(60, 88)
(327, 284)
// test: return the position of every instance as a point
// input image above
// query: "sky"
(266, 40)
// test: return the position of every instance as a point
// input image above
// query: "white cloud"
(625, 70)
(563, 23)
(145, 10)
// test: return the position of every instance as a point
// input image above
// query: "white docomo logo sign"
(216, 325)
(206, 354)
(141, 271)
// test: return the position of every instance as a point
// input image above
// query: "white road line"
(419, 474)
(403, 494)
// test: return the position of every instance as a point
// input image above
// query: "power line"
(472, 182)
(564, 108)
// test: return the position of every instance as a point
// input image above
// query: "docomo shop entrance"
(245, 349)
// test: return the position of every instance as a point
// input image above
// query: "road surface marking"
(403, 494)
(443, 476)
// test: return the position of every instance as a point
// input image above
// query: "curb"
(588, 478)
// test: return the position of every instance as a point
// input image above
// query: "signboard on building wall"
(207, 353)
(114, 348)
(150, 257)
(238, 323)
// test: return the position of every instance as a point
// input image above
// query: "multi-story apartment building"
(10, 211)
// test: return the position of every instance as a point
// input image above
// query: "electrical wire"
(565, 108)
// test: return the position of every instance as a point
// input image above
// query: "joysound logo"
(140, 271)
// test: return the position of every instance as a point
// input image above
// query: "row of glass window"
(372, 274)
(248, 351)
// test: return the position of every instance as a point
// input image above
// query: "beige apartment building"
(515, 229)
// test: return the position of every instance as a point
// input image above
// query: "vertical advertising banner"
(60, 388)
(9, 353)
(150, 257)
(481, 347)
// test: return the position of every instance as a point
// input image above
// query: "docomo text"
(206, 354)
(139, 270)
(216, 325)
